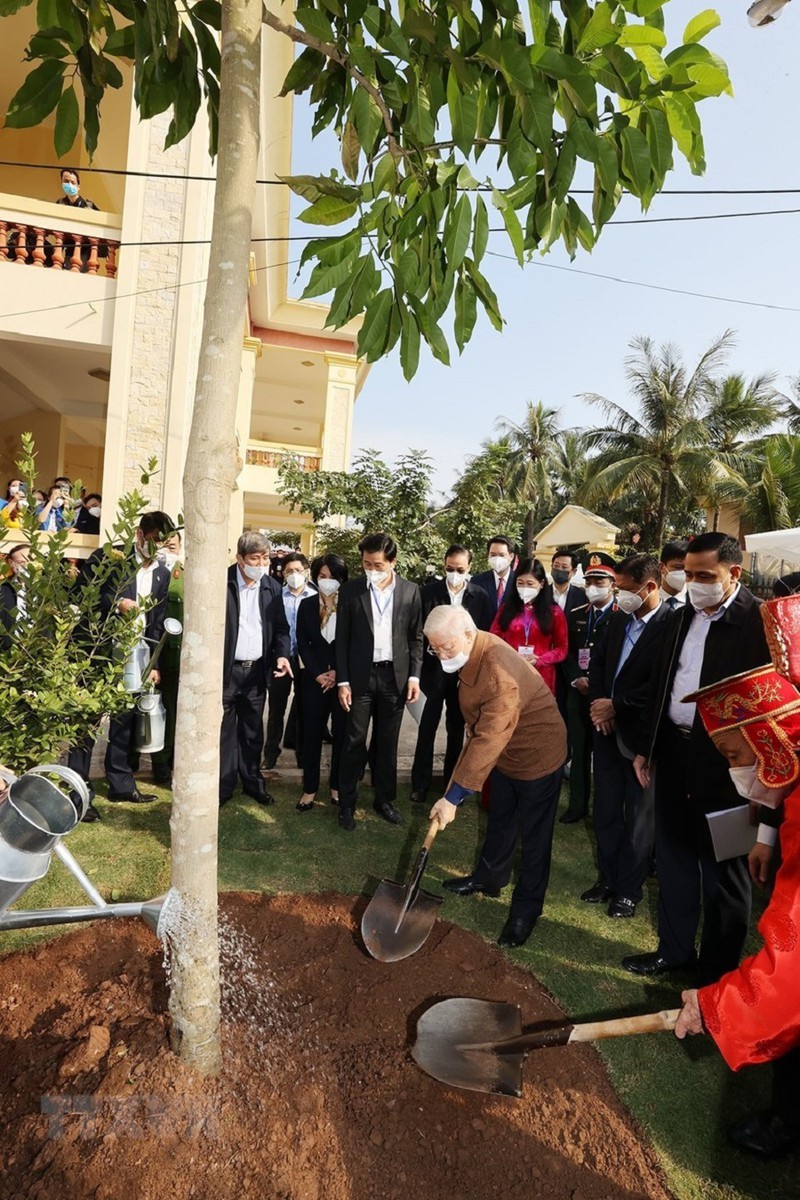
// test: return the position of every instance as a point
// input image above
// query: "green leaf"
(209, 12)
(642, 35)
(463, 109)
(457, 232)
(635, 158)
(511, 222)
(332, 250)
(351, 150)
(434, 337)
(325, 278)
(466, 312)
(659, 140)
(67, 121)
(46, 46)
(652, 61)
(385, 177)
(365, 115)
(315, 23)
(516, 64)
(700, 25)
(485, 295)
(303, 72)
(328, 210)
(409, 344)
(536, 118)
(599, 30)
(9, 7)
(38, 95)
(407, 271)
(373, 333)
(121, 43)
(480, 234)
(312, 187)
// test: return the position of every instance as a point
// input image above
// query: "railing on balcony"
(261, 456)
(40, 234)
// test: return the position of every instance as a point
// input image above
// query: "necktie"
(672, 602)
(590, 623)
(501, 587)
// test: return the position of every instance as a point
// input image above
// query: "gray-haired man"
(256, 647)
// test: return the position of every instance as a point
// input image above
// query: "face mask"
(456, 579)
(676, 580)
(69, 189)
(560, 576)
(295, 579)
(451, 665)
(750, 787)
(94, 511)
(58, 502)
(629, 602)
(328, 586)
(595, 593)
(376, 578)
(499, 563)
(705, 595)
(526, 594)
(254, 573)
(165, 558)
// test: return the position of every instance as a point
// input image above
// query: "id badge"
(525, 651)
(584, 656)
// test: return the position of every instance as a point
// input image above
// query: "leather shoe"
(651, 964)
(515, 932)
(418, 796)
(598, 893)
(621, 906)
(466, 886)
(390, 814)
(346, 820)
(91, 815)
(134, 797)
(765, 1134)
(261, 797)
(570, 818)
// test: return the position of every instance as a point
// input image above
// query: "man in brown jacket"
(516, 736)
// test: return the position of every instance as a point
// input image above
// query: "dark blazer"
(576, 598)
(485, 581)
(355, 634)
(318, 655)
(274, 626)
(581, 639)
(112, 591)
(476, 602)
(736, 642)
(632, 686)
(8, 613)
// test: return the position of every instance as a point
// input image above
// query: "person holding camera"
(11, 512)
(57, 512)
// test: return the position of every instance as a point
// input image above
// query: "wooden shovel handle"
(433, 829)
(648, 1023)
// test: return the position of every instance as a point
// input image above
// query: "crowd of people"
(649, 686)
(54, 509)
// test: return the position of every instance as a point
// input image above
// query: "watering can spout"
(151, 912)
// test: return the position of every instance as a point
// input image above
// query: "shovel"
(480, 1046)
(399, 916)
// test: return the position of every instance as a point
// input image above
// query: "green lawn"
(682, 1094)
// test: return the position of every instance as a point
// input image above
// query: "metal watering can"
(35, 815)
(151, 716)
(138, 666)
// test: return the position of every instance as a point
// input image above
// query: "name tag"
(525, 651)
(584, 657)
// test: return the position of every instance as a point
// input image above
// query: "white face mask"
(328, 586)
(676, 580)
(629, 602)
(499, 563)
(750, 787)
(254, 573)
(166, 558)
(376, 578)
(526, 594)
(705, 595)
(456, 580)
(94, 511)
(295, 579)
(451, 665)
(595, 593)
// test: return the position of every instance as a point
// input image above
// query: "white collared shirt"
(561, 597)
(250, 638)
(290, 605)
(690, 664)
(679, 599)
(456, 597)
(382, 600)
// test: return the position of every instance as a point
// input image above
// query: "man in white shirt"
(673, 576)
(295, 571)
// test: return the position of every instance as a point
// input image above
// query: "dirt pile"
(319, 1099)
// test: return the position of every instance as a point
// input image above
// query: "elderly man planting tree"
(515, 735)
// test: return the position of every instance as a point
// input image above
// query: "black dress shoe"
(621, 906)
(261, 797)
(652, 964)
(598, 893)
(515, 932)
(134, 797)
(91, 815)
(765, 1134)
(466, 886)
(390, 814)
(346, 820)
(419, 796)
(571, 818)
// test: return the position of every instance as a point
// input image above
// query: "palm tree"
(770, 495)
(533, 461)
(791, 409)
(664, 453)
(736, 412)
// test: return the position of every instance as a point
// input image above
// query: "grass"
(682, 1094)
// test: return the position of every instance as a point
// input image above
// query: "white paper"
(731, 832)
(415, 710)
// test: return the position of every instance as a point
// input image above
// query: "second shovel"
(399, 916)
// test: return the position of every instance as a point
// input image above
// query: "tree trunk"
(661, 519)
(209, 477)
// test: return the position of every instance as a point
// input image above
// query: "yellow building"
(100, 364)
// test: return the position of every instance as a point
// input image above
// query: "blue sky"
(566, 334)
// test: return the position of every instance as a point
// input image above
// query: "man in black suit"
(500, 576)
(619, 683)
(378, 665)
(10, 591)
(586, 627)
(718, 633)
(438, 688)
(257, 646)
(566, 595)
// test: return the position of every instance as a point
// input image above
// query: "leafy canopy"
(417, 92)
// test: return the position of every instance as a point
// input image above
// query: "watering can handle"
(9, 776)
(69, 776)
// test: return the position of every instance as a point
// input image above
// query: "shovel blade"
(379, 923)
(448, 1045)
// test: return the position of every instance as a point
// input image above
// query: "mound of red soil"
(319, 1099)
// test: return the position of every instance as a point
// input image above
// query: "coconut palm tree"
(533, 461)
(736, 412)
(663, 452)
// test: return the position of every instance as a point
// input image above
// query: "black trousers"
(692, 884)
(383, 704)
(170, 669)
(242, 731)
(79, 760)
(786, 1088)
(318, 708)
(440, 692)
(280, 690)
(120, 753)
(623, 820)
(523, 809)
(580, 730)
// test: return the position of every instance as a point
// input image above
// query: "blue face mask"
(69, 189)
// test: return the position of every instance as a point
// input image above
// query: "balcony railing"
(40, 234)
(267, 457)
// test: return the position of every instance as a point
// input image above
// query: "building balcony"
(263, 459)
(80, 545)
